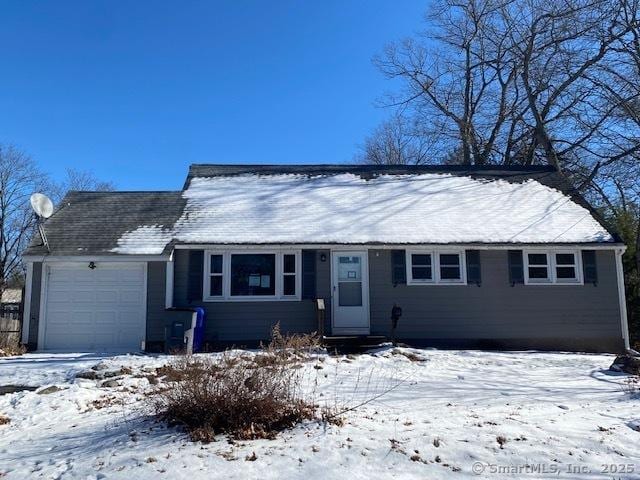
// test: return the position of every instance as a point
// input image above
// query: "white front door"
(350, 276)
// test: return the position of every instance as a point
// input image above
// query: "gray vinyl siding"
(494, 315)
(157, 316)
(34, 315)
(251, 321)
(497, 314)
(323, 285)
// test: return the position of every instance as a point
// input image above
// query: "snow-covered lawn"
(563, 414)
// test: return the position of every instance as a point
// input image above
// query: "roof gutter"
(400, 246)
(96, 258)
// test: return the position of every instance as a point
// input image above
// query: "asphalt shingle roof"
(90, 223)
(516, 172)
(112, 223)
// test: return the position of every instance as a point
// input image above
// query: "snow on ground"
(444, 413)
(37, 369)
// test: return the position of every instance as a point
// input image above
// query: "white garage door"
(94, 310)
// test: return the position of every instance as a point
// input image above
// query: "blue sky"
(136, 91)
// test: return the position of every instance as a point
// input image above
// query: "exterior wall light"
(92, 265)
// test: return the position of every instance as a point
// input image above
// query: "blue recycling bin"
(198, 331)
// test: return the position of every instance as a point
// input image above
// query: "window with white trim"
(552, 267)
(421, 267)
(252, 275)
(450, 267)
(215, 275)
(289, 275)
(429, 267)
(566, 267)
(538, 268)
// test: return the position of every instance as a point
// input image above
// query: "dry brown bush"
(297, 343)
(245, 396)
(229, 395)
(287, 349)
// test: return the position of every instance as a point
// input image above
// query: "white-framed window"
(420, 266)
(257, 275)
(290, 274)
(547, 267)
(538, 267)
(566, 267)
(435, 267)
(216, 275)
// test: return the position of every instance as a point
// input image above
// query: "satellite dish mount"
(43, 208)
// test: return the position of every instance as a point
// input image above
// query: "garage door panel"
(80, 319)
(103, 329)
(77, 276)
(66, 342)
(58, 318)
(116, 276)
(83, 296)
(59, 296)
(104, 340)
(109, 317)
(130, 296)
(106, 297)
(100, 309)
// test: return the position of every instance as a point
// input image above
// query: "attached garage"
(93, 309)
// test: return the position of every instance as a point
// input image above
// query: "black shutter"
(516, 267)
(589, 266)
(309, 274)
(474, 276)
(196, 272)
(398, 267)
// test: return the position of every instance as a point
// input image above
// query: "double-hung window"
(290, 275)
(421, 267)
(450, 268)
(246, 276)
(435, 267)
(552, 267)
(538, 267)
(215, 276)
(566, 267)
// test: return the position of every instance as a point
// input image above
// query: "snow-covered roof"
(345, 208)
(356, 205)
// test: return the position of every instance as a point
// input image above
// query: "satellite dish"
(42, 205)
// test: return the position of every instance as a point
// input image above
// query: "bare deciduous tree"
(524, 81)
(460, 80)
(19, 178)
(396, 142)
(79, 180)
